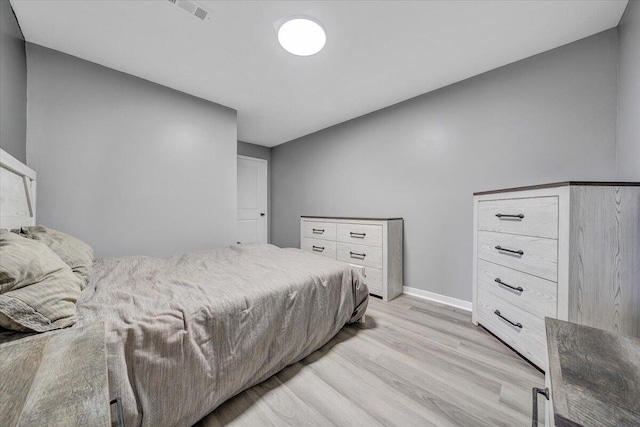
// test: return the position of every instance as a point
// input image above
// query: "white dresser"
(569, 251)
(373, 245)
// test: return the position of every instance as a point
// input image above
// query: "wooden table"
(58, 378)
(595, 376)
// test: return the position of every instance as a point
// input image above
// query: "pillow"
(38, 291)
(76, 253)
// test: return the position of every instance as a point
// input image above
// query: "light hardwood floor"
(413, 363)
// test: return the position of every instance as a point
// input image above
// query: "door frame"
(266, 193)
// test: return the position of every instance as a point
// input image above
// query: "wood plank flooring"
(413, 363)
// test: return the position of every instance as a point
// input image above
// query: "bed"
(184, 334)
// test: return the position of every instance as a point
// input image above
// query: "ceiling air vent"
(193, 7)
(201, 13)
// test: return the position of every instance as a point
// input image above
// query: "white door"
(252, 200)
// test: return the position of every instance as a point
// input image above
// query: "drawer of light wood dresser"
(369, 256)
(319, 230)
(528, 338)
(320, 247)
(533, 255)
(360, 234)
(536, 216)
(529, 293)
(372, 278)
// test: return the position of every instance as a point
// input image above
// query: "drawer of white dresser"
(532, 294)
(369, 256)
(319, 230)
(535, 216)
(372, 278)
(320, 247)
(533, 255)
(360, 234)
(529, 339)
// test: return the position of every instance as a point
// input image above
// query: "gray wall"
(547, 118)
(629, 94)
(129, 166)
(253, 150)
(13, 85)
(260, 152)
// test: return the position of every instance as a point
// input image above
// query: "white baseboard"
(442, 299)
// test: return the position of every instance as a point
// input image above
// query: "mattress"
(184, 334)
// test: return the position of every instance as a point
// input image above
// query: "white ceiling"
(378, 53)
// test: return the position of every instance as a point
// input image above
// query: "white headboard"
(17, 193)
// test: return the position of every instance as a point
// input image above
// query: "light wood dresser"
(372, 245)
(568, 250)
(593, 377)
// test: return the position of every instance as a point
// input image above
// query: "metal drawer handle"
(318, 248)
(499, 215)
(356, 254)
(519, 289)
(318, 231)
(500, 248)
(535, 391)
(358, 235)
(120, 415)
(517, 325)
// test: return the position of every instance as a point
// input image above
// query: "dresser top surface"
(595, 375)
(561, 184)
(351, 218)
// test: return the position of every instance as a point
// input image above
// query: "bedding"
(184, 334)
(38, 290)
(74, 252)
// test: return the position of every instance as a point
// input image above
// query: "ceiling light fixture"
(302, 37)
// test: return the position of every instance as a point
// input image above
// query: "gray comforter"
(185, 334)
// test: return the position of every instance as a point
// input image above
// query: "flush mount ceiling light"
(302, 37)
